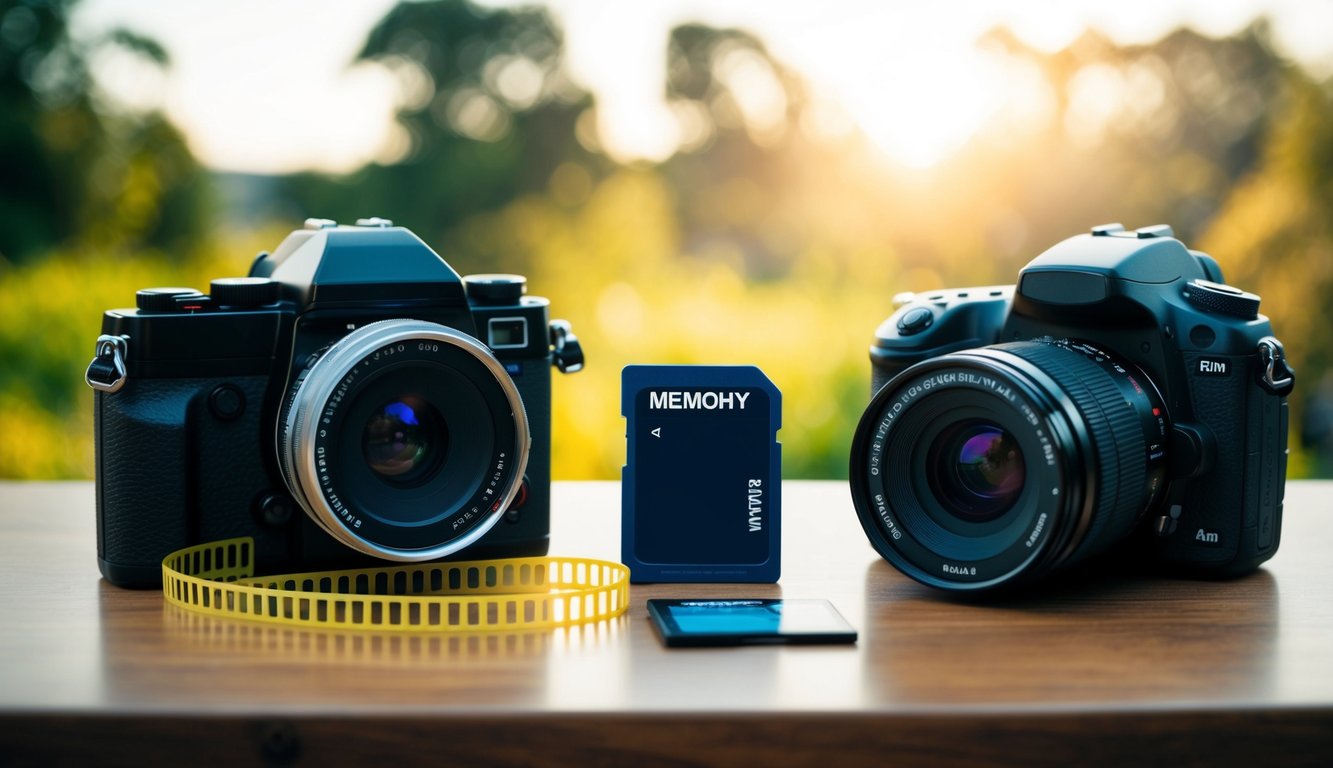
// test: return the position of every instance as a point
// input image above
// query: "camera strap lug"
(1275, 375)
(566, 353)
(106, 373)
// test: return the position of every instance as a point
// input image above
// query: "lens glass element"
(976, 470)
(404, 440)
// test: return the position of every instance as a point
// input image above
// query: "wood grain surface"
(1095, 668)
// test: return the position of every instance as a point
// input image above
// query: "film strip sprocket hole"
(477, 596)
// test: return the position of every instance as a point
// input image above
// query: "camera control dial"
(243, 291)
(495, 288)
(1222, 299)
(165, 299)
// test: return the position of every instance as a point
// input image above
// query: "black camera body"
(353, 376)
(1120, 387)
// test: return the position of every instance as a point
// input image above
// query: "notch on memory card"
(701, 487)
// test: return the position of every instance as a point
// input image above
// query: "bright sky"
(265, 86)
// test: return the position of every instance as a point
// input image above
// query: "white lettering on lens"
(1041, 523)
(667, 400)
(959, 570)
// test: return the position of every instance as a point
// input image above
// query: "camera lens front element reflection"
(404, 440)
(976, 470)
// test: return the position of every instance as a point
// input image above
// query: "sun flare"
(920, 111)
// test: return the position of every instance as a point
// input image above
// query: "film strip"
(530, 593)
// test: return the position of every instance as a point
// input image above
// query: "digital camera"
(352, 400)
(1120, 387)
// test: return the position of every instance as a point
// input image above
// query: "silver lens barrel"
(312, 433)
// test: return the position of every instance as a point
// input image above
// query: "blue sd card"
(701, 487)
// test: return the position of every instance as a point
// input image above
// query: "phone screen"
(748, 621)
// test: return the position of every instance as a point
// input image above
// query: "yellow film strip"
(479, 596)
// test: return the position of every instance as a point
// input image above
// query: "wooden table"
(1106, 670)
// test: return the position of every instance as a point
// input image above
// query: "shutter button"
(915, 321)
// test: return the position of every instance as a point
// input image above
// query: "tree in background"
(1276, 232)
(78, 170)
(488, 116)
(739, 111)
(93, 198)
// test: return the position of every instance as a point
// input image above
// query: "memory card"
(701, 487)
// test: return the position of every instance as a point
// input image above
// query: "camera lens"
(976, 469)
(990, 467)
(405, 440)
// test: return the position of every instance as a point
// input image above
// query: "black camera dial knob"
(1222, 299)
(243, 291)
(495, 289)
(163, 299)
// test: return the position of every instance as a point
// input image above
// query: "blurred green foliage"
(764, 240)
(76, 171)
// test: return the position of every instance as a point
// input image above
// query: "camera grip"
(142, 483)
(1232, 515)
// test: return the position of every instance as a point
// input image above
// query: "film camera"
(1120, 387)
(353, 399)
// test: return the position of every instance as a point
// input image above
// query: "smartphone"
(686, 623)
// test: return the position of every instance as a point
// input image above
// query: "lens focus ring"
(1117, 439)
